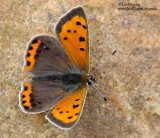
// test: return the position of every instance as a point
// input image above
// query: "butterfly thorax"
(72, 78)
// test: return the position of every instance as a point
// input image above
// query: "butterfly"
(60, 71)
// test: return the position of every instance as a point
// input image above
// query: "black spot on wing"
(28, 63)
(31, 95)
(23, 102)
(34, 41)
(36, 57)
(78, 23)
(65, 38)
(77, 99)
(30, 48)
(75, 106)
(60, 112)
(32, 100)
(26, 107)
(82, 49)
(70, 117)
(84, 26)
(28, 54)
(25, 88)
(81, 39)
(77, 114)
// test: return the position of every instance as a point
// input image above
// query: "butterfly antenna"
(113, 53)
(100, 93)
(94, 71)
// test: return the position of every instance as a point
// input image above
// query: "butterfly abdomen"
(66, 79)
(69, 82)
(51, 78)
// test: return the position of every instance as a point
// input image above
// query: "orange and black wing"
(38, 96)
(72, 31)
(45, 54)
(67, 112)
(47, 60)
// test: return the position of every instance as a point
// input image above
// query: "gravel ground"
(130, 79)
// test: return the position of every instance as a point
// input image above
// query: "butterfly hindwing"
(44, 91)
(72, 31)
(36, 97)
(67, 112)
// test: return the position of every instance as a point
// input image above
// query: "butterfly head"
(90, 79)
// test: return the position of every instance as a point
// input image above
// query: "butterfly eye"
(89, 83)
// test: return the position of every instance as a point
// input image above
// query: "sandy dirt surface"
(130, 79)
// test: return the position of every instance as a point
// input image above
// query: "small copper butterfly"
(60, 71)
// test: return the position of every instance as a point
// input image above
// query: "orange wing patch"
(69, 109)
(72, 31)
(31, 54)
(25, 96)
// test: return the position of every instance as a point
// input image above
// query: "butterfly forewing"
(72, 31)
(44, 55)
